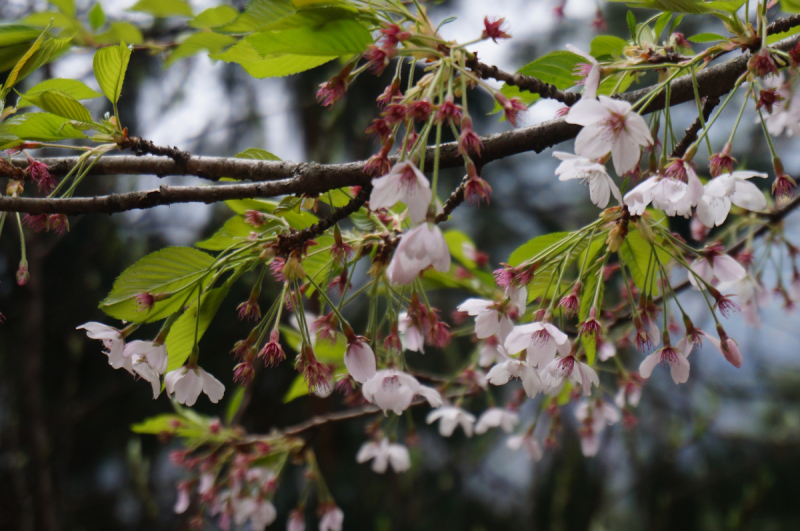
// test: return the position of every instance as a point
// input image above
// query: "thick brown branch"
(291, 178)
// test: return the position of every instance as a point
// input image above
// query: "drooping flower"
(272, 353)
(671, 194)
(512, 108)
(448, 111)
(609, 125)
(541, 340)
(594, 416)
(148, 361)
(590, 73)
(40, 174)
(490, 351)
(331, 518)
(421, 247)
(629, 392)
(393, 389)
(570, 367)
(675, 358)
(112, 340)
(186, 383)
(411, 333)
(502, 373)
(258, 511)
(491, 318)
(496, 417)
(384, 454)
(449, 417)
(716, 265)
(727, 189)
(727, 347)
(360, 360)
(593, 174)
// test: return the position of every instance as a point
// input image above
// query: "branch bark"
(291, 178)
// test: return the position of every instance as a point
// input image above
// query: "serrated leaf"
(72, 87)
(60, 104)
(556, 68)
(181, 337)
(214, 17)
(169, 270)
(336, 38)
(335, 198)
(316, 16)
(456, 241)
(120, 32)
(637, 253)
(245, 55)
(110, 64)
(692, 7)
(97, 17)
(258, 14)
(42, 127)
(197, 42)
(607, 45)
(14, 75)
(163, 8)
(661, 23)
(297, 220)
(65, 6)
(233, 232)
(706, 37)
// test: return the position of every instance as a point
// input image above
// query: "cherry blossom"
(541, 340)
(528, 443)
(729, 188)
(594, 417)
(384, 454)
(412, 336)
(670, 194)
(403, 184)
(148, 361)
(785, 113)
(260, 513)
(609, 125)
(490, 351)
(183, 500)
(727, 347)
(569, 367)
(113, 341)
(490, 318)
(421, 247)
(590, 72)
(496, 417)
(360, 360)
(393, 389)
(501, 373)
(449, 417)
(186, 383)
(716, 265)
(594, 174)
(675, 358)
(296, 521)
(331, 519)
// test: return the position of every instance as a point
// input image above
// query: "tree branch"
(291, 178)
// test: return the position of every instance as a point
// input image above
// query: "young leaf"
(181, 337)
(197, 42)
(120, 32)
(60, 104)
(556, 68)
(214, 17)
(258, 14)
(72, 87)
(169, 270)
(336, 38)
(163, 8)
(65, 6)
(706, 37)
(631, 18)
(607, 45)
(535, 246)
(14, 75)
(244, 54)
(97, 16)
(256, 154)
(661, 23)
(110, 64)
(41, 126)
(234, 231)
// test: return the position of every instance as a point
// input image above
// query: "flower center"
(669, 356)
(615, 124)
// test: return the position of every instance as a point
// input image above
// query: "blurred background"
(720, 452)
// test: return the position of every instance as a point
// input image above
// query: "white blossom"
(489, 320)
(449, 417)
(673, 196)
(410, 335)
(393, 389)
(490, 351)
(332, 519)
(259, 512)
(717, 266)
(676, 358)
(403, 184)
(593, 174)
(113, 342)
(501, 373)
(360, 361)
(592, 80)
(384, 454)
(609, 125)
(785, 115)
(496, 417)
(729, 188)
(540, 340)
(421, 247)
(594, 417)
(569, 367)
(186, 383)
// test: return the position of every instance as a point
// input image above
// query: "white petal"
(649, 363)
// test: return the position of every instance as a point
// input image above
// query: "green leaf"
(169, 270)
(556, 68)
(110, 64)
(65, 6)
(53, 19)
(163, 8)
(314, 17)
(72, 87)
(318, 261)
(631, 18)
(456, 240)
(706, 37)
(171, 423)
(260, 13)
(661, 23)
(298, 220)
(97, 16)
(256, 154)
(214, 17)
(537, 245)
(197, 42)
(328, 352)
(120, 32)
(607, 45)
(234, 403)
(14, 75)
(60, 104)
(675, 23)
(692, 7)
(337, 38)
(245, 55)
(234, 231)
(637, 253)
(180, 340)
(42, 127)
(298, 388)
